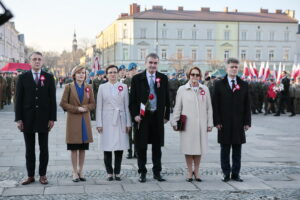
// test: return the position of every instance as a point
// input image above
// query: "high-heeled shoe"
(110, 178)
(117, 177)
(197, 179)
(75, 178)
(81, 178)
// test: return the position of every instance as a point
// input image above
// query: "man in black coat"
(151, 124)
(284, 94)
(232, 117)
(35, 111)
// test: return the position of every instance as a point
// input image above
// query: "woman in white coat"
(113, 121)
(193, 100)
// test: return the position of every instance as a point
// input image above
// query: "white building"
(203, 38)
(12, 44)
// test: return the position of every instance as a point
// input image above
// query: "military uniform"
(2, 91)
(8, 90)
(253, 89)
(174, 84)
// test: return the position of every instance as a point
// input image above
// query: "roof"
(212, 16)
(12, 67)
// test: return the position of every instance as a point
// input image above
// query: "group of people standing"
(142, 105)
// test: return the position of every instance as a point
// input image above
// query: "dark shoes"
(277, 114)
(28, 180)
(236, 178)
(197, 179)
(226, 178)
(292, 115)
(110, 178)
(158, 177)
(142, 178)
(81, 178)
(129, 156)
(43, 180)
(118, 178)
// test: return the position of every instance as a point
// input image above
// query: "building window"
(179, 34)
(226, 35)
(164, 33)
(164, 54)
(125, 54)
(271, 55)
(244, 35)
(258, 54)
(272, 35)
(226, 54)
(125, 33)
(143, 53)
(243, 54)
(286, 54)
(194, 34)
(209, 34)
(143, 33)
(286, 36)
(258, 35)
(179, 54)
(194, 54)
(208, 54)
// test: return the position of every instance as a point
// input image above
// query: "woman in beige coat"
(78, 100)
(193, 100)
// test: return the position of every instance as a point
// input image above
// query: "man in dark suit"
(232, 117)
(151, 124)
(35, 111)
(284, 94)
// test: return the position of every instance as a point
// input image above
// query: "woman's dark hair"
(190, 71)
(110, 67)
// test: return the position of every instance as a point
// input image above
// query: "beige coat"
(70, 103)
(198, 109)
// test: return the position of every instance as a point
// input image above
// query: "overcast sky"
(49, 25)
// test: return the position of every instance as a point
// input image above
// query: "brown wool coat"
(70, 103)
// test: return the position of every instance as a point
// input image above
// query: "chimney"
(157, 8)
(205, 9)
(290, 13)
(134, 8)
(235, 10)
(180, 8)
(278, 11)
(123, 15)
(264, 10)
(226, 9)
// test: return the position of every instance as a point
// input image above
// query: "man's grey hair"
(151, 55)
(232, 60)
(35, 53)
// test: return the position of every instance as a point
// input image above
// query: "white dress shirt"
(34, 72)
(229, 81)
(149, 78)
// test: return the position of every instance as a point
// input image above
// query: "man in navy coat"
(35, 111)
(232, 117)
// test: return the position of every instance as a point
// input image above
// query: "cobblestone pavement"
(270, 166)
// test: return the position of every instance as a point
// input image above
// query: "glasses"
(233, 67)
(36, 59)
(155, 63)
(195, 75)
(112, 72)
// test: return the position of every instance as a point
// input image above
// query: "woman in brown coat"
(78, 100)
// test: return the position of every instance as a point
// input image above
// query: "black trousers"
(236, 159)
(151, 125)
(283, 101)
(30, 153)
(108, 162)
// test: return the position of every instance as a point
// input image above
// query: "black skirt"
(83, 146)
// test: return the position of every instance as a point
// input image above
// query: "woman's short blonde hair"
(77, 69)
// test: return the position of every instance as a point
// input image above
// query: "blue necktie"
(152, 91)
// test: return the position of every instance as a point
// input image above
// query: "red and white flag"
(255, 70)
(261, 70)
(293, 71)
(279, 76)
(246, 72)
(96, 65)
(266, 72)
(252, 73)
(274, 72)
(142, 109)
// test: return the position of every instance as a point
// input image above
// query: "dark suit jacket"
(286, 86)
(35, 104)
(139, 93)
(232, 111)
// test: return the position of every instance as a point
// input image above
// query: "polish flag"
(252, 73)
(255, 69)
(279, 76)
(293, 71)
(261, 70)
(266, 72)
(142, 109)
(274, 71)
(246, 72)
(297, 72)
(96, 65)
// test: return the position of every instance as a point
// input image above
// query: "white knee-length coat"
(112, 113)
(198, 109)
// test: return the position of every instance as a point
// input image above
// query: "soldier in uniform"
(260, 95)
(132, 70)
(174, 84)
(122, 73)
(183, 79)
(253, 89)
(3, 85)
(91, 78)
(8, 89)
(95, 84)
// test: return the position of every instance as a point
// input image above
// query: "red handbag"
(181, 123)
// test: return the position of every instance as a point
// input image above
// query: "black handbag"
(181, 123)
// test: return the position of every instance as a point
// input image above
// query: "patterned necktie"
(152, 91)
(233, 85)
(36, 80)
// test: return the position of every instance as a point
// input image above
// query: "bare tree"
(180, 63)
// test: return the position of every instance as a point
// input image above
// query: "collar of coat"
(188, 86)
(157, 75)
(238, 79)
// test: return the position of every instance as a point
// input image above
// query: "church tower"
(74, 46)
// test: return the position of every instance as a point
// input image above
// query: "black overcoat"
(139, 93)
(35, 104)
(232, 111)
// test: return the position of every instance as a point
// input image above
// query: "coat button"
(36, 89)
(36, 98)
(36, 106)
